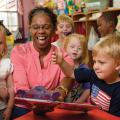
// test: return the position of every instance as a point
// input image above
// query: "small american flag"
(100, 98)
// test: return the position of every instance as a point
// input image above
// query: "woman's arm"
(64, 87)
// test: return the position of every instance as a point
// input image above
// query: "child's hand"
(57, 56)
(3, 93)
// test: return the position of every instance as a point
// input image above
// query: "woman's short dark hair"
(44, 10)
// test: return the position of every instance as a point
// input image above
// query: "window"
(9, 14)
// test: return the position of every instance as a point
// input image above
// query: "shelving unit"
(87, 21)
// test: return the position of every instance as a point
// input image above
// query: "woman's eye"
(35, 27)
(46, 26)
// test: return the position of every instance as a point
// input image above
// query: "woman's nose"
(41, 30)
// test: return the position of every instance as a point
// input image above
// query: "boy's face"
(74, 49)
(64, 29)
(105, 67)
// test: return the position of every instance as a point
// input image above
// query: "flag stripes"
(100, 98)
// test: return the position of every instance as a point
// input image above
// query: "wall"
(27, 6)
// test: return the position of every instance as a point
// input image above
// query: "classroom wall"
(27, 6)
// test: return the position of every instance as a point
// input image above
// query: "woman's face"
(41, 30)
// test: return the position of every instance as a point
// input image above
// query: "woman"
(32, 61)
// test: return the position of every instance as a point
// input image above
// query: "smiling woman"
(32, 60)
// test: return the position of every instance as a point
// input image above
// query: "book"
(55, 104)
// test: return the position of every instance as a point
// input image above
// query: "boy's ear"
(118, 66)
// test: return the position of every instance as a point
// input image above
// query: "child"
(9, 38)
(6, 83)
(104, 79)
(107, 23)
(65, 26)
(75, 45)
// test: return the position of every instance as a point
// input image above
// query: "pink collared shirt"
(27, 69)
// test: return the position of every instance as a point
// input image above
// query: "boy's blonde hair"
(83, 43)
(3, 37)
(110, 45)
(65, 18)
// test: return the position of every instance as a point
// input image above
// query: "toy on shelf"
(50, 4)
(70, 5)
(61, 5)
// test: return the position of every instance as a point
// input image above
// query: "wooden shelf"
(111, 10)
(76, 16)
(88, 15)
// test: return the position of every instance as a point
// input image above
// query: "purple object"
(38, 92)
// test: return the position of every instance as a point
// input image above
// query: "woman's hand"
(63, 93)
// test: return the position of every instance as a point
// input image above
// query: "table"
(60, 114)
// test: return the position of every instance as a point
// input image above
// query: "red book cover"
(56, 104)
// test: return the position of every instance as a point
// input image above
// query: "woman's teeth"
(41, 38)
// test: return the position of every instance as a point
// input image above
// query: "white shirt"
(6, 68)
